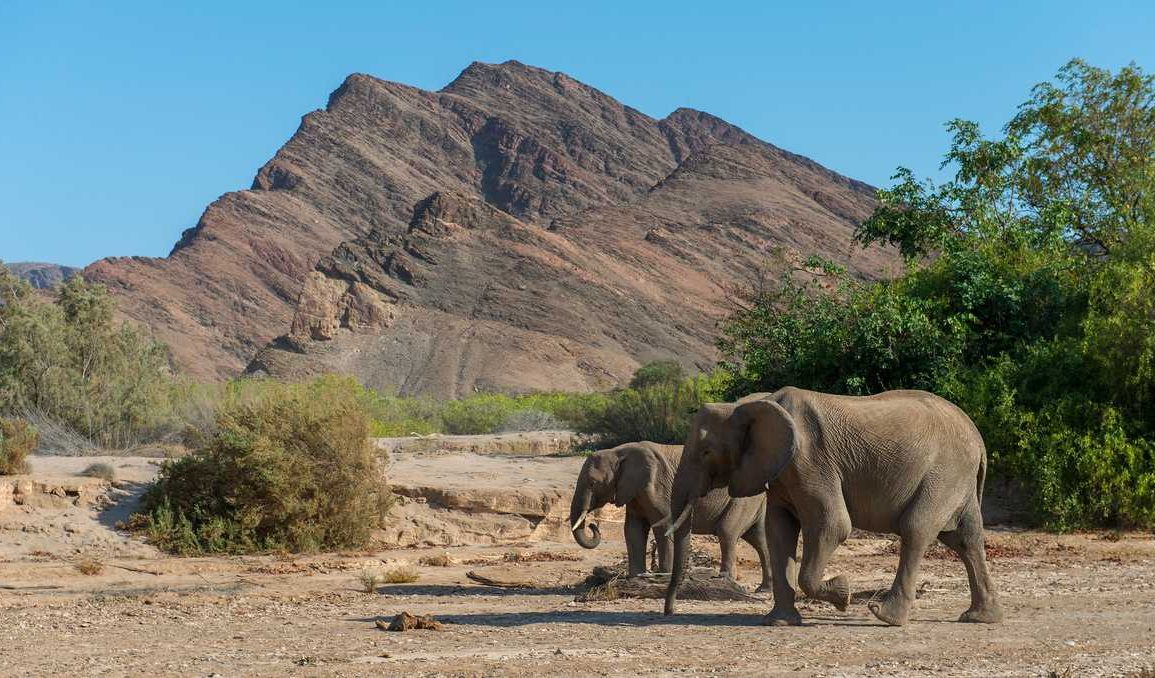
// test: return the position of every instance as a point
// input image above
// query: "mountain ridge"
(582, 177)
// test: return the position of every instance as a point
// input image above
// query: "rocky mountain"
(41, 276)
(515, 230)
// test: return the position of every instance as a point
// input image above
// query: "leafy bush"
(17, 440)
(659, 413)
(1035, 312)
(294, 471)
(658, 372)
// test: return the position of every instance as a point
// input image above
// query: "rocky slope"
(41, 276)
(516, 230)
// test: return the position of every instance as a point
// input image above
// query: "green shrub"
(481, 413)
(294, 471)
(660, 413)
(17, 440)
(658, 372)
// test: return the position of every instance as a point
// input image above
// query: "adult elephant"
(903, 462)
(640, 476)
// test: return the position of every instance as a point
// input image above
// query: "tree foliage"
(68, 359)
(1029, 298)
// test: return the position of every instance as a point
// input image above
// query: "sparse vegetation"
(89, 566)
(17, 440)
(438, 560)
(291, 471)
(369, 580)
(531, 420)
(404, 574)
(101, 470)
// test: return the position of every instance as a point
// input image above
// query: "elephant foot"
(777, 617)
(891, 609)
(990, 613)
(837, 592)
(764, 587)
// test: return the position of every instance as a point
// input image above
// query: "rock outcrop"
(515, 230)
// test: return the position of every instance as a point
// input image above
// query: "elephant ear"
(767, 441)
(634, 472)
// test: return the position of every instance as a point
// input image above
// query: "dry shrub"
(294, 471)
(369, 580)
(100, 470)
(405, 574)
(17, 440)
(409, 622)
(89, 566)
(439, 560)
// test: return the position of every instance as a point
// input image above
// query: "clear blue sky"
(121, 121)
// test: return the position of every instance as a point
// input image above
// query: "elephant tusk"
(678, 523)
(664, 521)
(577, 525)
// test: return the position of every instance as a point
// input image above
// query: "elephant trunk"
(682, 514)
(585, 531)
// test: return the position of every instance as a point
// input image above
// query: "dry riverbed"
(1076, 605)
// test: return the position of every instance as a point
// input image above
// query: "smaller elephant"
(640, 476)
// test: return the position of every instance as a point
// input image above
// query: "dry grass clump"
(601, 593)
(369, 580)
(405, 574)
(100, 470)
(88, 566)
(17, 440)
(439, 560)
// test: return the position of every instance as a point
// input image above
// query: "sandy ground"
(1076, 605)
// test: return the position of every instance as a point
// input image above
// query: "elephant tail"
(982, 478)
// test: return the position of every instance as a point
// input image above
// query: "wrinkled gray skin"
(902, 462)
(640, 476)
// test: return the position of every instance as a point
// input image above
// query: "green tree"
(69, 360)
(1028, 298)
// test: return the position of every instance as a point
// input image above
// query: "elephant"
(640, 477)
(902, 462)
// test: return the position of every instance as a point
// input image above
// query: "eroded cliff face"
(516, 230)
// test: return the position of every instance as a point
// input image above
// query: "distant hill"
(42, 276)
(515, 230)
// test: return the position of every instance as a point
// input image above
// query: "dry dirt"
(1076, 605)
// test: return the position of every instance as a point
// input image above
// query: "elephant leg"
(782, 533)
(756, 537)
(967, 541)
(894, 606)
(665, 548)
(819, 543)
(728, 545)
(637, 533)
